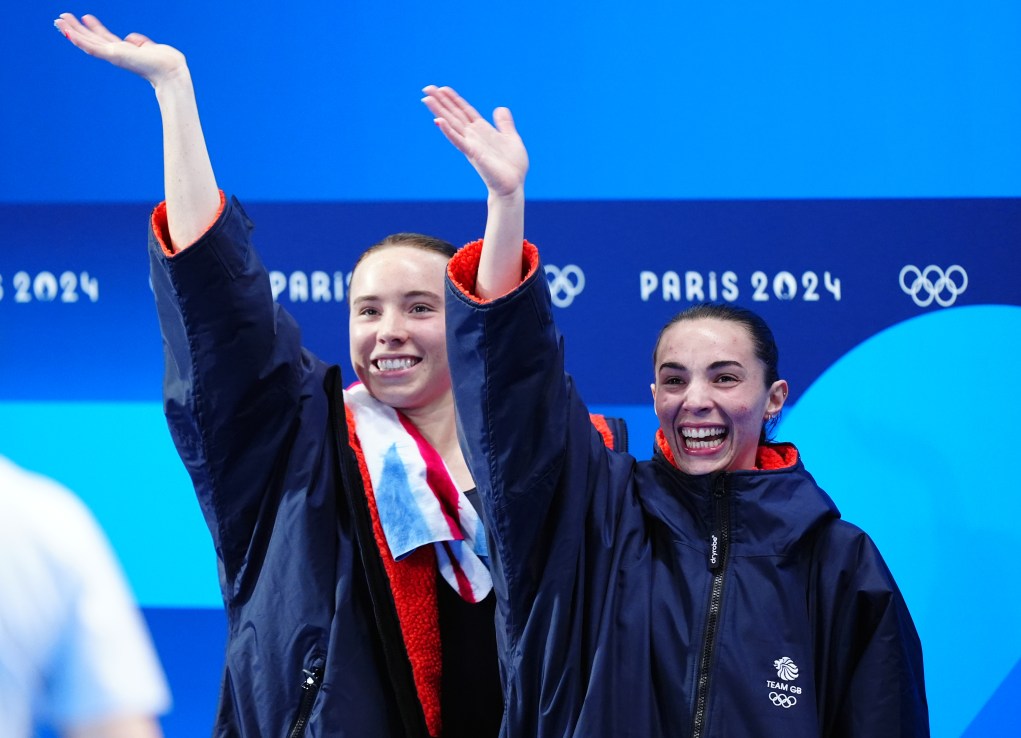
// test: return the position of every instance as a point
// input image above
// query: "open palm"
(135, 52)
(496, 152)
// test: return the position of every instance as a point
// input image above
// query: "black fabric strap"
(385, 611)
(618, 427)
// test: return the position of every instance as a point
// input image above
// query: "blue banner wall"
(852, 173)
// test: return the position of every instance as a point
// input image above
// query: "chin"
(699, 470)
(697, 466)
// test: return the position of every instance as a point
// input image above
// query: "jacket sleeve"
(874, 682)
(237, 381)
(541, 468)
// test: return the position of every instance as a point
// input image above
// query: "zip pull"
(311, 679)
(310, 688)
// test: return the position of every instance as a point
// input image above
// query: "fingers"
(453, 136)
(67, 19)
(88, 34)
(93, 24)
(76, 33)
(441, 110)
(458, 105)
(439, 118)
(504, 121)
(138, 39)
(445, 103)
(68, 24)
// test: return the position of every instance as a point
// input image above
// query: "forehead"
(398, 269)
(706, 340)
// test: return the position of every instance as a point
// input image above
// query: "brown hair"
(411, 240)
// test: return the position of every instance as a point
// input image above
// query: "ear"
(777, 396)
(653, 388)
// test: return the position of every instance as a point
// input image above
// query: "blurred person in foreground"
(75, 654)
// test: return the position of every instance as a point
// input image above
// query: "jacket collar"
(768, 509)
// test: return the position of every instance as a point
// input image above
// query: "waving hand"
(499, 156)
(135, 52)
(193, 198)
(496, 152)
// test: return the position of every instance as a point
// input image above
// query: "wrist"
(173, 82)
(513, 199)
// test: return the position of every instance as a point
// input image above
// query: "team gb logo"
(786, 669)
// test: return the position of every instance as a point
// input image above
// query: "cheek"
(361, 343)
(749, 413)
(664, 406)
(435, 338)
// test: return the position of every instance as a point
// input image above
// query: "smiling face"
(398, 339)
(711, 395)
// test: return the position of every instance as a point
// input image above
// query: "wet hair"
(763, 342)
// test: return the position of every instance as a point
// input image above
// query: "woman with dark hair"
(352, 560)
(711, 591)
(764, 348)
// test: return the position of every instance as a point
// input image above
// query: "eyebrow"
(716, 365)
(413, 294)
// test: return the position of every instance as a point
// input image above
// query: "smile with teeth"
(701, 438)
(389, 365)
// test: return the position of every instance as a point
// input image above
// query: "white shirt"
(73, 644)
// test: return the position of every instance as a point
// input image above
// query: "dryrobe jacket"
(327, 636)
(635, 600)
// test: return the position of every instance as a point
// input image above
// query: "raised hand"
(497, 153)
(135, 52)
(499, 156)
(193, 199)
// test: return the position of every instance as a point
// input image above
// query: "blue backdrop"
(850, 172)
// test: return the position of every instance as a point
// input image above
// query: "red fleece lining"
(776, 456)
(162, 230)
(768, 458)
(413, 583)
(600, 424)
(463, 268)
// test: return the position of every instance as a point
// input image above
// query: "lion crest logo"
(786, 669)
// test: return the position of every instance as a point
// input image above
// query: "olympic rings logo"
(932, 283)
(564, 284)
(783, 700)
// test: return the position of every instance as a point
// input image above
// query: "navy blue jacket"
(313, 641)
(634, 600)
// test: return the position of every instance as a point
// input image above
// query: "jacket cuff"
(161, 230)
(463, 268)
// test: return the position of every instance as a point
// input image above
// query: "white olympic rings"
(564, 284)
(783, 700)
(923, 289)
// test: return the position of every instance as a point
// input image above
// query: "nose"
(392, 328)
(697, 397)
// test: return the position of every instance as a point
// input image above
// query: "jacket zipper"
(719, 543)
(309, 690)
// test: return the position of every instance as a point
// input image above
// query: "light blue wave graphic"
(118, 457)
(915, 434)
